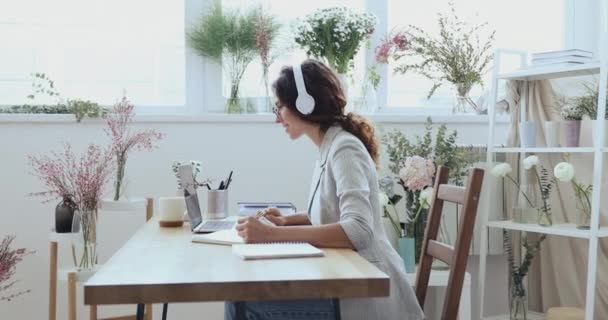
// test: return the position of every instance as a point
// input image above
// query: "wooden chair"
(456, 257)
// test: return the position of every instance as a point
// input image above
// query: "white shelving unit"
(598, 150)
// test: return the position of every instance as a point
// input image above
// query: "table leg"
(92, 312)
(464, 312)
(140, 312)
(71, 296)
(239, 310)
(165, 307)
(53, 282)
(336, 303)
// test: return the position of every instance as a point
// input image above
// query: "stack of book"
(563, 57)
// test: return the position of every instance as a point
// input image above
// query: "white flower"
(531, 161)
(564, 171)
(383, 199)
(501, 170)
(426, 197)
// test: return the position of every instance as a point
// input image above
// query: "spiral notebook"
(276, 250)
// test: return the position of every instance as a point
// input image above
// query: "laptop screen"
(194, 209)
(186, 178)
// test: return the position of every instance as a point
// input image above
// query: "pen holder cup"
(217, 204)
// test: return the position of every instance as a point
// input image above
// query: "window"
(287, 12)
(94, 50)
(519, 24)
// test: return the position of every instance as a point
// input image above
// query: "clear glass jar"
(84, 246)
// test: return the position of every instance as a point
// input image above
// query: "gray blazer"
(345, 190)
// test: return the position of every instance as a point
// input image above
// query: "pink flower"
(9, 259)
(66, 175)
(123, 141)
(417, 173)
(393, 44)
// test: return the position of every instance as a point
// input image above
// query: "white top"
(345, 190)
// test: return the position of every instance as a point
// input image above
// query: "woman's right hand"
(275, 216)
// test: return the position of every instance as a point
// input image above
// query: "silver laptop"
(197, 224)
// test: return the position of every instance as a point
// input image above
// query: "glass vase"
(463, 103)
(518, 307)
(407, 251)
(84, 247)
(544, 218)
(121, 182)
(583, 217)
(233, 104)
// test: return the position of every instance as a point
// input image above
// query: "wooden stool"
(73, 276)
(565, 313)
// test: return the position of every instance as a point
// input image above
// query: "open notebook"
(225, 237)
(276, 250)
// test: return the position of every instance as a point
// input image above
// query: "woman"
(343, 208)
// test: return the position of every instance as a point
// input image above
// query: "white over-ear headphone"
(305, 103)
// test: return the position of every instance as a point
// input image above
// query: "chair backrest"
(456, 257)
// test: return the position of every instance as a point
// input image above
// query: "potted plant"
(226, 35)
(572, 116)
(441, 150)
(564, 171)
(9, 258)
(457, 55)
(118, 129)
(588, 104)
(334, 35)
(84, 178)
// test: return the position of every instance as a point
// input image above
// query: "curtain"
(558, 276)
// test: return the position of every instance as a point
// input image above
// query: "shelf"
(531, 316)
(552, 72)
(543, 150)
(566, 230)
(123, 205)
(63, 238)
(81, 276)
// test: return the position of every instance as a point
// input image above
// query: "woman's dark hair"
(323, 85)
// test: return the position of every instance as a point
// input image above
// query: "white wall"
(267, 167)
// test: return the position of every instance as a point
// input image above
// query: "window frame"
(203, 93)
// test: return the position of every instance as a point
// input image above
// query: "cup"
(171, 211)
(217, 204)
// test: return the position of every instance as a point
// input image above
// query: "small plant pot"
(552, 134)
(572, 133)
(527, 134)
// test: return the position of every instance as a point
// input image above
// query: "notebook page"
(275, 250)
(223, 237)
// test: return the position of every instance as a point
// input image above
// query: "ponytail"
(363, 129)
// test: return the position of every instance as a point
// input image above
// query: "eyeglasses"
(276, 109)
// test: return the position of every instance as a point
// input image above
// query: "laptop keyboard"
(216, 225)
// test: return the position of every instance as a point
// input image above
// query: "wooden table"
(162, 265)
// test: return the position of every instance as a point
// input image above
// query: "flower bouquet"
(545, 183)
(83, 178)
(9, 258)
(457, 55)
(334, 34)
(125, 141)
(564, 171)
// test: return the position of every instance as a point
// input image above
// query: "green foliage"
(518, 272)
(85, 108)
(374, 77)
(443, 150)
(587, 104)
(43, 85)
(227, 34)
(458, 55)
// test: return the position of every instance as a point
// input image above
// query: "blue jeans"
(283, 310)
